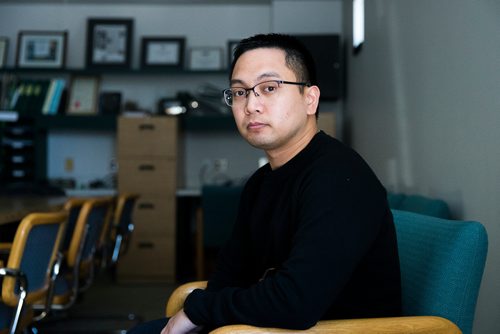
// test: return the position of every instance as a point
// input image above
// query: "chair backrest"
(33, 252)
(73, 207)
(94, 215)
(123, 212)
(220, 206)
(442, 263)
(419, 204)
(122, 223)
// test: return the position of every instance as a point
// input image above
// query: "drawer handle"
(146, 206)
(143, 127)
(146, 245)
(146, 167)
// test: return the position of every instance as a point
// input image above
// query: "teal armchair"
(419, 204)
(442, 263)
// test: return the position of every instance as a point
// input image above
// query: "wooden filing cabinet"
(147, 165)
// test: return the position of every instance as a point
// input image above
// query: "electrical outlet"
(69, 164)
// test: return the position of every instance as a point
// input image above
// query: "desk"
(15, 208)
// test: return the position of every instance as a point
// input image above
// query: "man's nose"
(253, 102)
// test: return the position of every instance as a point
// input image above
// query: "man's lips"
(255, 125)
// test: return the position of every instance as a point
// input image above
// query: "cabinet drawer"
(147, 176)
(155, 216)
(148, 136)
(148, 258)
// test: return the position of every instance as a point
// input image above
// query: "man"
(314, 237)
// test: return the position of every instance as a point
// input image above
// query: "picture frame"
(41, 49)
(4, 47)
(231, 45)
(162, 52)
(109, 42)
(83, 95)
(205, 59)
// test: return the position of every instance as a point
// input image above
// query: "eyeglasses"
(237, 96)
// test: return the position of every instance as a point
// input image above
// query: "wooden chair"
(27, 277)
(439, 292)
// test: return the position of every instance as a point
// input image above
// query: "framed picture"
(231, 45)
(205, 58)
(4, 44)
(41, 49)
(109, 42)
(83, 95)
(162, 52)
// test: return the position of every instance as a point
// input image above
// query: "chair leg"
(200, 251)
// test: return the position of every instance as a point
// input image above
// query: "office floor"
(105, 307)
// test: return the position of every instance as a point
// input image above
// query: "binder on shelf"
(54, 107)
(48, 97)
(53, 97)
(29, 95)
(39, 92)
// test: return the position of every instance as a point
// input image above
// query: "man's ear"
(312, 98)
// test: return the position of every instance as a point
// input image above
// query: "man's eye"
(238, 93)
(269, 88)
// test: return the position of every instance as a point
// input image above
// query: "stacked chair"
(96, 237)
(88, 223)
(29, 270)
(442, 263)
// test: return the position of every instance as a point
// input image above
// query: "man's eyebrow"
(268, 75)
(265, 75)
(237, 81)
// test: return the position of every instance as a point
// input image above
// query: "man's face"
(269, 124)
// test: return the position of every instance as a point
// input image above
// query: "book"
(48, 97)
(54, 106)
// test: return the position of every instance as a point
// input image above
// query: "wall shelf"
(190, 123)
(77, 122)
(110, 71)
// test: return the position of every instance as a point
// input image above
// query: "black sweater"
(323, 223)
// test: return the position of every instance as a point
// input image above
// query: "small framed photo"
(83, 95)
(162, 52)
(231, 45)
(205, 58)
(4, 45)
(41, 49)
(109, 43)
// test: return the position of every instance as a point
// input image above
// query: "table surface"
(15, 208)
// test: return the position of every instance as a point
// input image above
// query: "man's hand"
(180, 324)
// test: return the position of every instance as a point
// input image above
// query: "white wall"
(424, 107)
(202, 25)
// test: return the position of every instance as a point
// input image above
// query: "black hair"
(297, 56)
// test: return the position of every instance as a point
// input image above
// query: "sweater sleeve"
(337, 220)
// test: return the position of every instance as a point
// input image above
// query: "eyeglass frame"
(247, 90)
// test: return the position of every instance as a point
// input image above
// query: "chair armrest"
(21, 282)
(176, 300)
(406, 325)
(394, 325)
